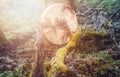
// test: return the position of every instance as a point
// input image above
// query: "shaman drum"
(59, 23)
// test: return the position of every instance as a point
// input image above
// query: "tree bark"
(2, 37)
(39, 58)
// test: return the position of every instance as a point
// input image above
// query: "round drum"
(59, 23)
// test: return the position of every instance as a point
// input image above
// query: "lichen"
(57, 63)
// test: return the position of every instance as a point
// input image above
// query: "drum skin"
(59, 23)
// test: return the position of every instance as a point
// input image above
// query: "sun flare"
(25, 14)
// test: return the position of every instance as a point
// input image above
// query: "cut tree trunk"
(2, 37)
(3, 41)
(39, 58)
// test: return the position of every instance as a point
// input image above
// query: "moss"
(89, 63)
(58, 62)
(31, 71)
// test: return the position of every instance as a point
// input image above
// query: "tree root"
(57, 63)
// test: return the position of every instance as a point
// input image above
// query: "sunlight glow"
(25, 14)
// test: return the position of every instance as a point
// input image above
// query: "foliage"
(9, 74)
(111, 6)
(22, 70)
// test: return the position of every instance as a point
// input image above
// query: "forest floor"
(17, 54)
(95, 55)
